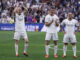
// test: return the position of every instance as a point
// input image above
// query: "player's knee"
(26, 41)
(47, 42)
(55, 42)
(65, 43)
(16, 41)
(73, 43)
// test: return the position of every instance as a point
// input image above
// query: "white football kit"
(52, 29)
(20, 30)
(69, 29)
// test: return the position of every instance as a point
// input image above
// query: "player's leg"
(16, 37)
(55, 38)
(26, 46)
(65, 49)
(73, 41)
(74, 49)
(65, 41)
(48, 37)
(16, 47)
(24, 35)
(47, 48)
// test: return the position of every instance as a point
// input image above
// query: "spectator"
(39, 8)
(34, 20)
(5, 19)
(30, 18)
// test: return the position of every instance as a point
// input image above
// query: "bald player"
(20, 30)
(69, 33)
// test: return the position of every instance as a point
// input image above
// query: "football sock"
(55, 49)
(16, 48)
(25, 47)
(47, 49)
(64, 49)
(74, 50)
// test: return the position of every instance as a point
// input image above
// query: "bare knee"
(73, 43)
(55, 42)
(16, 42)
(26, 40)
(65, 43)
(47, 42)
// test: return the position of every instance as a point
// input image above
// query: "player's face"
(70, 16)
(19, 10)
(52, 11)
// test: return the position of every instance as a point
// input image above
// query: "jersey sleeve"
(77, 24)
(47, 19)
(57, 18)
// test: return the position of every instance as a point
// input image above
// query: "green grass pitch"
(36, 49)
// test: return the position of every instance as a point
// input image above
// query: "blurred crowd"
(38, 9)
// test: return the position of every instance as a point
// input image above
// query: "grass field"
(36, 48)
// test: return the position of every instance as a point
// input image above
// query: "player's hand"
(64, 32)
(75, 33)
(56, 23)
(20, 4)
(52, 21)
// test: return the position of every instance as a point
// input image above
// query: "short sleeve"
(47, 19)
(56, 18)
(77, 24)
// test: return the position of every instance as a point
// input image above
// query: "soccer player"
(51, 22)
(69, 33)
(20, 30)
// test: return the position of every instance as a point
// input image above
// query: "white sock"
(25, 47)
(47, 49)
(74, 50)
(64, 49)
(16, 48)
(55, 49)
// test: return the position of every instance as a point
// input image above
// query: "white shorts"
(18, 35)
(69, 38)
(54, 36)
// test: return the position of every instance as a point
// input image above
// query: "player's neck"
(19, 14)
(52, 14)
(69, 19)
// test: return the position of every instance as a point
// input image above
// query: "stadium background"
(37, 10)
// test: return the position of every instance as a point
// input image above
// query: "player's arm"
(25, 9)
(47, 21)
(48, 24)
(77, 24)
(77, 29)
(57, 23)
(15, 10)
(61, 27)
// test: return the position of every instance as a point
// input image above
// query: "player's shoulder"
(65, 20)
(56, 16)
(47, 16)
(74, 20)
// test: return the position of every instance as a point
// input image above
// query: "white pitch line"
(60, 49)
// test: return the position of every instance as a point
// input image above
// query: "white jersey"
(70, 25)
(52, 28)
(19, 23)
